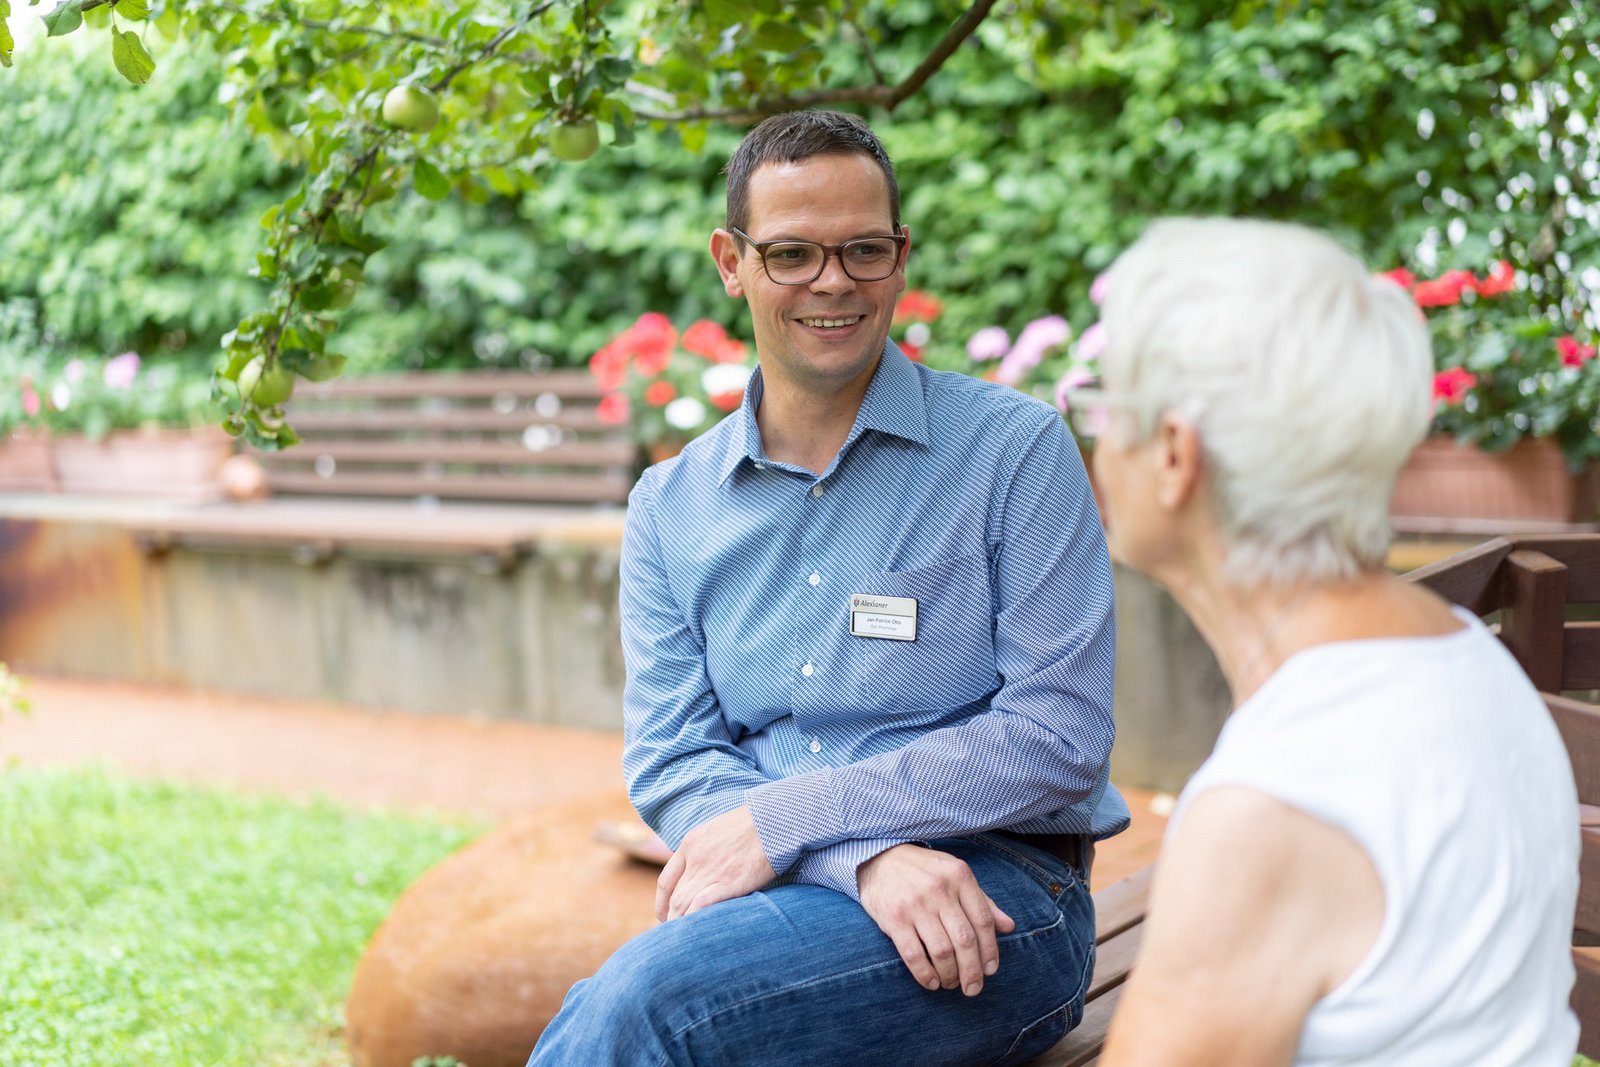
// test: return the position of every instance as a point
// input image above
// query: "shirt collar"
(894, 404)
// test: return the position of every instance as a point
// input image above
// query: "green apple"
(263, 387)
(575, 141)
(411, 107)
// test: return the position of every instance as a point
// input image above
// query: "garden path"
(490, 770)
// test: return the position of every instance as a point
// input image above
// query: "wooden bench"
(1525, 586)
(471, 435)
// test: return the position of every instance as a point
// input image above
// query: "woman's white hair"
(1307, 379)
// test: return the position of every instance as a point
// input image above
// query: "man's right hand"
(930, 905)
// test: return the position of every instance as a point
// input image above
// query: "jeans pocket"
(1039, 1036)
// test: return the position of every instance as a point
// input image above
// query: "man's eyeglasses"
(865, 259)
(1089, 407)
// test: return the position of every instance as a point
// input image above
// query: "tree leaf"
(130, 58)
(323, 368)
(428, 182)
(67, 17)
(133, 10)
(7, 45)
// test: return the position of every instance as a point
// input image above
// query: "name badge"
(893, 618)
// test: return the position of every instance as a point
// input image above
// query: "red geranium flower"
(1502, 279)
(1401, 277)
(1449, 386)
(612, 409)
(660, 394)
(913, 352)
(1573, 354)
(918, 306)
(610, 365)
(651, 339)
(726, 401)
(730, 351)
(1444, 290)
(705, 339)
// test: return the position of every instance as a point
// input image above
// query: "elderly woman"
(1378, 862)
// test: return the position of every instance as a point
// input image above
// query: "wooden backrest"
(1532, 582)
(473, 435)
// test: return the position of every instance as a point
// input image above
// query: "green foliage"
(12, 698)
(129, 219)
(150, 923)
(1427, 134)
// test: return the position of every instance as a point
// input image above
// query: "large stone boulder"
(476, 957)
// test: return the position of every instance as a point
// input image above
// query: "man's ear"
(1180, 459)
(725, 253)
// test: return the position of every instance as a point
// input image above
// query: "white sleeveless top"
(1437, 756)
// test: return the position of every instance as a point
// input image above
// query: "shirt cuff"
(793, 815)
(835, 867)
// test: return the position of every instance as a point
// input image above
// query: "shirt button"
(816, 746)
(816, 490)
(815, 579)
(761, 466)
(807, 670)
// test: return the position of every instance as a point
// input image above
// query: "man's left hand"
(718, 860)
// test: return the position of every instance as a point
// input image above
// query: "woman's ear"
(1181, 462)
(725, 253)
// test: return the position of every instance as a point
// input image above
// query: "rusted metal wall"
(536, 640)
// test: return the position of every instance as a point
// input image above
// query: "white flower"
(684, 413)
(720, 378)
(918, 334)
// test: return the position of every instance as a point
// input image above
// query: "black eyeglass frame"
(837, 250)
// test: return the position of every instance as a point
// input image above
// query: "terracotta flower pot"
(177, 464)
(26, 464)
(1529, 482)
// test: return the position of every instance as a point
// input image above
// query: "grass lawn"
(145, 923)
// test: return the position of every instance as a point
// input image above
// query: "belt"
(1075, 850)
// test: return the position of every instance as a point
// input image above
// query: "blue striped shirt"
(745, 684)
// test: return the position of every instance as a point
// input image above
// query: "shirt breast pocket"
(951, 662)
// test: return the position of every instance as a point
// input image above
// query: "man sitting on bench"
(869, 636)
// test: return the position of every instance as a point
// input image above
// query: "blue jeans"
(802, 975)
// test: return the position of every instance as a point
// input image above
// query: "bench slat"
(1082, 1046)
(1587, 917)
(544, 487)
(420, 420)
(578, 454)
(1114, 959)
(1122, 904)
(464, 384)
(1471, 579)
(1580, 647)
(1579, 724)
(1534, 592)
(1581, 554)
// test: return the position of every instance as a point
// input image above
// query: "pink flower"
(74, 371)
(1449, 386)
(1092, 343)
(120, 371)
(1401, 277)
(1574, 354)
(991, 342)
(1101, 286)
(1037, 338)
(30, 399)
(1069, 381)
